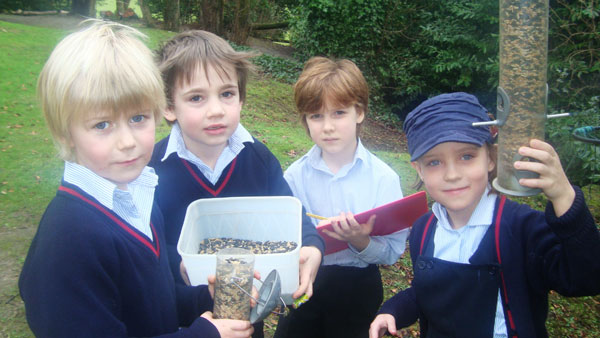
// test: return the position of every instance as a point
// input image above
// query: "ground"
(374, 135)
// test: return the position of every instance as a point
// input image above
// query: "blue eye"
(314, 116)
(228, 94)
(467, 157)
(433, 163)
(101, 125)
(196, 98)
(138, 118)
(340, 112)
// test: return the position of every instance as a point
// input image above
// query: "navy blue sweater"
(538, 253)
(254, 172)
(90, 274)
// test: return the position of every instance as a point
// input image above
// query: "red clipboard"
(391, 217)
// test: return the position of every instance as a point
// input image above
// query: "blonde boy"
(337, 178)
(97, 264)
(209, 153)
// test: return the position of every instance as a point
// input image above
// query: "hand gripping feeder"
(522, 92)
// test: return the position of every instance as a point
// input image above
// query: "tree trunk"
(211, 16)
(146, 15)
(241, 24)
(122, 5)
(84, 7)
(171, 15)
(92, 8)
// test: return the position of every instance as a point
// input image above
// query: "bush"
(412, 50)
(34, 5)
(279, 68)
(408, 50)
(580, 160)
(574, 53)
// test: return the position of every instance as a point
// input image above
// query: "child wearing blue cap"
(337, 178)
(483, 265)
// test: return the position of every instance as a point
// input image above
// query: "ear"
(491, 165)
(169, 114)
(492, 161)
(361, 116)
(417, 166)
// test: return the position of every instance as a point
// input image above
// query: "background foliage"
(411, 50)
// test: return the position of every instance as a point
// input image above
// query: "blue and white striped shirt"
(235, 145)
(133, 205)
(459, 245)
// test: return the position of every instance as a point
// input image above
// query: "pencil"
(316, 216)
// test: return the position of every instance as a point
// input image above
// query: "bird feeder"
(522, 92)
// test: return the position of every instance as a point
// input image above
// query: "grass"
(30, 173)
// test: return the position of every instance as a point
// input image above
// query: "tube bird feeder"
(522, 92)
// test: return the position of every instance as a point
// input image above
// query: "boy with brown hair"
(209, 153)
(97, 265)
(338, 178)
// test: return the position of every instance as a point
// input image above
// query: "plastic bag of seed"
(234, 277)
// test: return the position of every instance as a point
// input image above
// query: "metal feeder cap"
(268, 297)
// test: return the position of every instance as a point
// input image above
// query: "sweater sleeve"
(571, 265)
(192, 301)
(67, 287)
(403, 306)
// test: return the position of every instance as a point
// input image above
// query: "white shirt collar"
(100, 188)
(482, 215)
(316, 160)
(176, 143)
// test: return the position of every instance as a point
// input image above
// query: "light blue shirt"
(235, 144)
(365, 183)
(459, 245)
(134, 205)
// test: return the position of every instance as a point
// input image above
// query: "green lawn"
(30, 172)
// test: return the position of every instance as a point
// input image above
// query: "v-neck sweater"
(538, 252)
(89, 273)
(254, 172)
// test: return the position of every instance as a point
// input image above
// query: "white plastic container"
(248, 218)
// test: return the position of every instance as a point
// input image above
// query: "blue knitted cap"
(445, 118)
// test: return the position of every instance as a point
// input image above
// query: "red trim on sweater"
(204, 185)
(425, 233)
(497, 237)
(117, 220)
